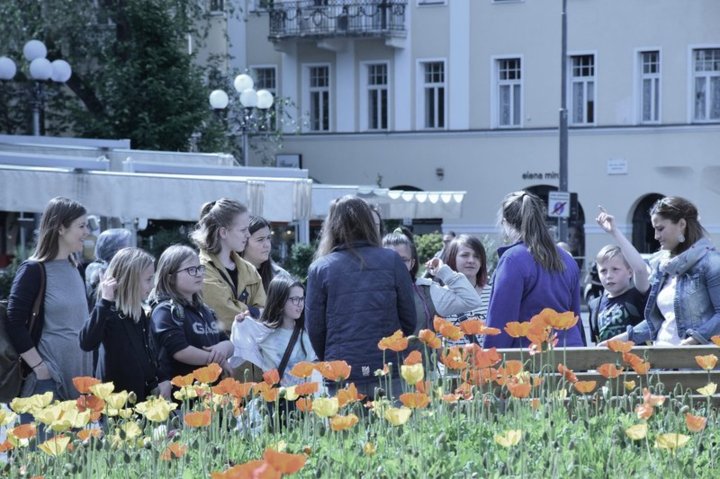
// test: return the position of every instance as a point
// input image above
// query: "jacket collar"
(689, 258)
(353, 245)
(501, 250)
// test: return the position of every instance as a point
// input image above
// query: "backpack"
(11, 371)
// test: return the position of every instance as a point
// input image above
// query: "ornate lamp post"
(251, 101)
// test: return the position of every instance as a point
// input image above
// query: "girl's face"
(235, 236)
(72, 238)
(468, 262)
(295, 303)
(258, 247)
(189, 277)
(667, 232)
(405, 254)
(146, 281)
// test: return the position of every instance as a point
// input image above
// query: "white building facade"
(464, 95)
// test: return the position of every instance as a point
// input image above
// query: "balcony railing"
(337, 18)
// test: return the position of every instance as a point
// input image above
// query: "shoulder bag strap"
(288, 350)
(39, 299)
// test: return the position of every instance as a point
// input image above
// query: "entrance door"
(643, 234)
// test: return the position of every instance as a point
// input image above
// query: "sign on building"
(559, 204)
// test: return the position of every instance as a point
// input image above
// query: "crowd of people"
(139, 322)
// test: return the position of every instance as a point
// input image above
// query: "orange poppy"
(568, 374)
(305, 389)
(451, 398)
(543, 316)
(430, 339)
(452, 358)
(561, 321)
(24, 431)
(695, 423)
(464, 390)
(484, 358)
(208, 374)
(641, 368)
(340, 423)
(481, 376)
(585, 387)
(537, 381)
(707, 362)
(538, 331)
(5, 446)
(415, 400)
(86, 434)
(268, 393)
(303, 369)
(609, 370)
(175, 450)
(631, 358)
(451, 332)
(413, 358)
(284, 462)
(91, 402)
(182, 381)
(652, 399)
(472, 326)
(512, 367)
(516, 329)
(304, 404)
(439, 322)
(198, 418)
(349, 395)
(271, 377)
(334, 370)
(424, 386)
(716, 339)
(252, 469)
(644, 411)
(397, 342)
(83, 383)
(618, 346)
(518, 390)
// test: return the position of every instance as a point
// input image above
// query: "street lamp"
(251, 101)
(41, 70)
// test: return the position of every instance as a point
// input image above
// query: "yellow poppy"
(55, 446)
(340, 423)
(397, 416)
(326, 407)
(509, 438)
(155, 409)
(102, 390)
(412, 374)
(32, 403)
(708, 390)
(637, 432)
(671, 441)
(369, 449)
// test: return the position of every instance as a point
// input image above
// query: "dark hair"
(266, 268)
(166, 274)
(213, 216)
(450, 256)
(278, 293)
(349, 220)
(675, 208)
(399, 239)
(59, 212)
(525, 213)
(376, 209)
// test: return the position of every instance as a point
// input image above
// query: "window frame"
(272, 122)
(692, 117)
(639, 78)
(365, 88)
(307, 95)
(570, 78)
(496, 82)
(420, 85)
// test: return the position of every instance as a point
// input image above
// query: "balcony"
(327, 19)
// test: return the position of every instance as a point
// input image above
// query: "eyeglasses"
(193, 271)
(296, 300)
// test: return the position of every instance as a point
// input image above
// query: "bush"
(301, 256)
(427, 245)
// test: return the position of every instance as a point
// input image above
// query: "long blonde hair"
(60, 211)
(126, 267)
(213, 216)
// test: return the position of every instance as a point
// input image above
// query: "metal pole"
(37, 105)
(563, 222)
(245, 142)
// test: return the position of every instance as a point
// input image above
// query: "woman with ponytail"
(532, 274)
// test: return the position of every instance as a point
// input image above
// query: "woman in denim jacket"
(683, 306)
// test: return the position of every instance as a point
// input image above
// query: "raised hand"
(606, 220)
(107, 288)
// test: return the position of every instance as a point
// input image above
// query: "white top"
(668, 334)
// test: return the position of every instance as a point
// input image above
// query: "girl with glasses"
(119, 325)
(187, 329)
(279, 332)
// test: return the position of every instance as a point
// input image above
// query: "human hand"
(42, 372)
(433, 266)
(241, 316)
(605, 220)
(689, 342)
(107, 288)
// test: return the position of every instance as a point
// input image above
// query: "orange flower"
(585, 387)
(716, 339)
(695, 423)
(707, 362)
(631, 358)
(83, 383)
(198, 419)
(518, 390)
(423, 386)
(268, 393)
(439, 322)
(512, 367)
(208, 374)
(452, 358)
(284, 462)
(5, 446)
(86, 434)
(652, 399)
(538, 331)
(334, 370)
(484, 358)
(481, 376)
(349, 395)
(430, 339)
(517, 330)
(304, 404)
(639, 365)
(250, 470)
(397, 342)
(472, 326)
(641, 368)
(305, 389)
(562, 321)
(535, 404)
(644, 411)
(609, 370)
(232, 387)
(413, 358)
(175, 450)
(568, 374)
(303, 369)
(537, 381)
(271, 377)
(451, 398)
(465, 390)
(488, 331)
(182, 381)
(415, 400)
(340, 423)
(24, 431)
(620, 346)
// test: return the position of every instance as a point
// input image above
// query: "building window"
(377, 84)
(217, 6)
(320, 98)
(582, 89)
(509, 81)
(650, 86)
(266, 79)
(433, 88)
(706, 84)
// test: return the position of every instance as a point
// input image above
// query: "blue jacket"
(697, 297)
(522, 288)
(355, 297)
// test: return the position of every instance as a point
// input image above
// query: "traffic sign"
(559, 204)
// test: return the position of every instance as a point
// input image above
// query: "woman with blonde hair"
(50, 349)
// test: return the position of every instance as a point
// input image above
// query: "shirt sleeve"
(93, 331)
(170, 333)
(457, 296)
(505, 299)
(315, 306)
(25, 288)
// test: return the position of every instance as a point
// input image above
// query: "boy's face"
(615, 275)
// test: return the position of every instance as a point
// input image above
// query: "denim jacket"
(697, 298)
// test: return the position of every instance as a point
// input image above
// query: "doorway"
(643, 234)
